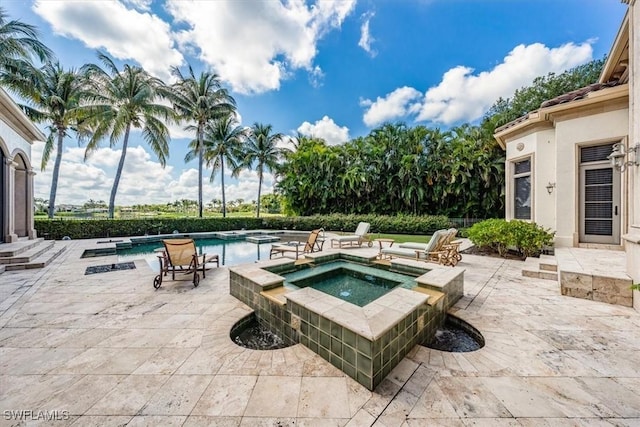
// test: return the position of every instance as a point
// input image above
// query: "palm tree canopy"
(19, 43)
(199, 99)
(123, 99)
(262, 148)
(223, 140)
(53, 95)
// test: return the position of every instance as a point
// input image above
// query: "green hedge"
(100, 228)
(499, 235)
(401, 224)
(96, 228)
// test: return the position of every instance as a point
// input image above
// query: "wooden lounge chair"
(450, 247)
(313, 244)
(182, 255)
(432, 251)
(360, 236)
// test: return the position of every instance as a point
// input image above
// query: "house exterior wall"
(612, 126)
(16, 195)
(11, 142)
(632, 236)
(554, 154)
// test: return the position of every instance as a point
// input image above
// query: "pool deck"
(107, 349)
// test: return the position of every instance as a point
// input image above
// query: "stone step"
(537, 273)
(548, 263)
(8, 250)
(40, 261)
(27, 256)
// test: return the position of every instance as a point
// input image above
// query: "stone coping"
(439, 277)
(370, 321)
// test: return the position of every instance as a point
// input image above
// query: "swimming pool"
(231, 252)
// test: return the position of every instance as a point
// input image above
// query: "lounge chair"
(358, 237)
(432, 251)
(313, 244)
(181, 254)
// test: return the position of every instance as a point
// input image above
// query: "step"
(548, 263)
(27, 256)
(40, 261)
(537, 273)
(8, 250)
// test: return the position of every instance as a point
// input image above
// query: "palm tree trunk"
(224, 202)
(116, 181)
(200, 160)
(56, 172)
(259, 190)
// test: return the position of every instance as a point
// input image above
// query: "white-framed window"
(522, 189)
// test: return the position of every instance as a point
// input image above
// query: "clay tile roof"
(578, 93)
(574, 95)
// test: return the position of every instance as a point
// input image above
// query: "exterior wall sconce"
(550, 187)
(620, 152)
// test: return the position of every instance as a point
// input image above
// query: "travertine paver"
(110, 350)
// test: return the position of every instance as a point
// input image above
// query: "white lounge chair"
(358, 237)
(431, 251)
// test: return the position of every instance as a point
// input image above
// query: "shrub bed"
(99, 228)
(499, 235)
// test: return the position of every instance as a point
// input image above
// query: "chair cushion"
(413, 245)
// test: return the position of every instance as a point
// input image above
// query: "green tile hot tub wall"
(270, 315)
(367, 361)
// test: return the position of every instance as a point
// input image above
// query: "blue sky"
(332, 69)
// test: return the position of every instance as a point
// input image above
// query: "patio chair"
(313, 244)
(182, 255)
(360, 236)
(432, 251)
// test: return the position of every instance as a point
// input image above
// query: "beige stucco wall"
(632, 237)
(570, 134)
(554, 161)
(12, 142)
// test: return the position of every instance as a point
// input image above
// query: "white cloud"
(255, 45)
(464, 96)
(143, 180)
(326, 129)
(365, 35)
(126, 34)
(397, 104)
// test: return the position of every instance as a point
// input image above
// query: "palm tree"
(18, 45)
(54, 95)
(199, 100)
(120, 100)
(261, 150)
(222, 141)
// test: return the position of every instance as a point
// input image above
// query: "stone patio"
(107, 349)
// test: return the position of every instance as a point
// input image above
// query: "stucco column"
(10, 176)
(31, 227)
(632, 236)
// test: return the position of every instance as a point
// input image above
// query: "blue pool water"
(354, 283)
(231, 252)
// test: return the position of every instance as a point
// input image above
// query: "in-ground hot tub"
(365, 338)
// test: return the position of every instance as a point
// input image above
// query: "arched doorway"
(21, 192)
(3, 201)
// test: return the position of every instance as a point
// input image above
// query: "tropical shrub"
(499, 235)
